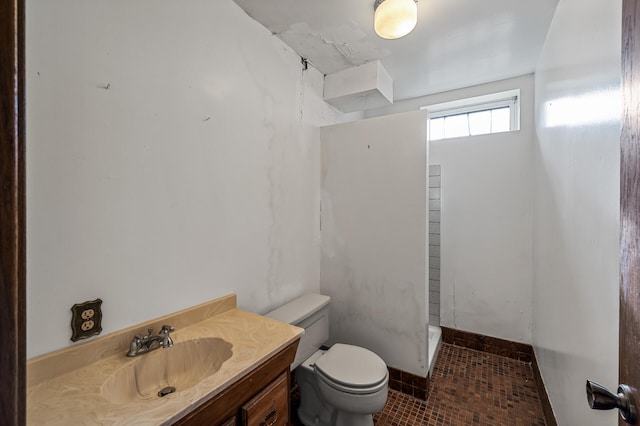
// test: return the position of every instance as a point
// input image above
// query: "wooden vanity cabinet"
(270, 407)
(260, 398)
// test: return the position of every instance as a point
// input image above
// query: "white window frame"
(510, 98)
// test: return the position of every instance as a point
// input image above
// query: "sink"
(181, 366)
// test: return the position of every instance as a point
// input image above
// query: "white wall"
(374, 241)
(486, 219)
(577, 206)
(486, 226)
(173, 157)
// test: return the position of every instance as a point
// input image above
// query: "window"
(482, 115)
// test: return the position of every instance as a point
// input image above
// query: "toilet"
(340, 386)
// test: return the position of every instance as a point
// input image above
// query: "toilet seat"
(352, 369)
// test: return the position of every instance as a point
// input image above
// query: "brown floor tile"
(468, 387)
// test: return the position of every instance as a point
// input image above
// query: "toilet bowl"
(341, 386)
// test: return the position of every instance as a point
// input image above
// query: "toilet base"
(313, 411)
(338, 418)
(348, 419)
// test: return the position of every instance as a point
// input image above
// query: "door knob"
(601, 398)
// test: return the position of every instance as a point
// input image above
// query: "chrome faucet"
(143, 344)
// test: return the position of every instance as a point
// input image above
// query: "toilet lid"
(352, 366)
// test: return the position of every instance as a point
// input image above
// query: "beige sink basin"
(181, 366)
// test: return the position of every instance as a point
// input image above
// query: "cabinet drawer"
(270, 407)
(231, 422)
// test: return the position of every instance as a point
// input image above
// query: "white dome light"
(394, 18)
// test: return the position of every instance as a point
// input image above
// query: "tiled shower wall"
(434, 244)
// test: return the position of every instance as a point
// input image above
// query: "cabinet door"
(270, 407)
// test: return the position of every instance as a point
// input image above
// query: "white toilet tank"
(310, 312)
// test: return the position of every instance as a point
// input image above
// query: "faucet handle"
(167, 341)
(166, 329)
(135, 345)
(150, 331)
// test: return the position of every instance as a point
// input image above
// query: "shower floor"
(469, 387)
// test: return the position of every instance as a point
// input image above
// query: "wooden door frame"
(12, 214)
(629, 331)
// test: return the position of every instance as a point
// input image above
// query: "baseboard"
(492, 345)
(549, 416)
(514, 350)
(409, 384)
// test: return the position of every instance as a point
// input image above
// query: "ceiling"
(457, 43)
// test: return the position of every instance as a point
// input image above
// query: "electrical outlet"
(87, 325)
(86, 320)
(87, 314)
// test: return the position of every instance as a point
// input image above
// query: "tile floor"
(469, 387)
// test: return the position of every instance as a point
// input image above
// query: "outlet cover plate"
(86, 320)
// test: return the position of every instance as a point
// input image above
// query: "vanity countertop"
(68, 386)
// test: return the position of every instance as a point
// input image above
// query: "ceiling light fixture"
(394, 18)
